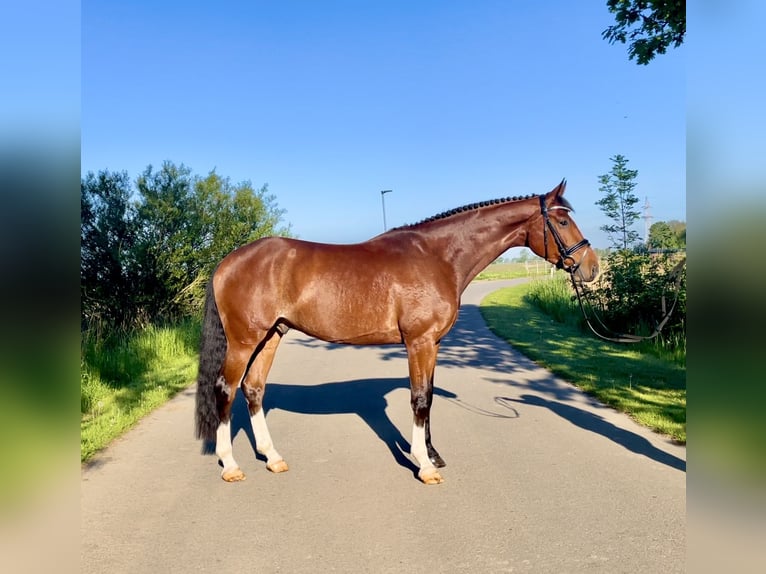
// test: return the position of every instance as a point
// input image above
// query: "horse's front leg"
(421, 356)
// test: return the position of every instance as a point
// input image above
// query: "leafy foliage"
(662, 236)
(631, 291)
(146, 253)
(651, 26)
(107, 242)
(679, 229)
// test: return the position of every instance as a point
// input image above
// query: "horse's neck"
(472, 240)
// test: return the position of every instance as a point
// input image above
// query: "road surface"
(539, 477)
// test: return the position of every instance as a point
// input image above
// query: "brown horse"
(403, 286)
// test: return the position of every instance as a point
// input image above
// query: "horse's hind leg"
(234, 366)
(253, 387)
(421, 356)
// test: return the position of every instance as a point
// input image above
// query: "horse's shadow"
(596, 424)
(365, 398)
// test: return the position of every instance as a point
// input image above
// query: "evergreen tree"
(619, 203)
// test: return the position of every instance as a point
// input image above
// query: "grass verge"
(647, 387)
(126, 375)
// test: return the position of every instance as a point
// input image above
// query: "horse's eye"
(563, 223)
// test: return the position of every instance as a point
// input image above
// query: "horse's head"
(553, 235)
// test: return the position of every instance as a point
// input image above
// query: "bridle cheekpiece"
(566, 261)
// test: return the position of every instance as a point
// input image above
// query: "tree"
(524, 256)
(679, 229)
(232, 215)
(187, 225)
(618, 203)
(662, 236)
(165, 242)
(107, 238)
(651, 26)
(147, 252)
(226, 216)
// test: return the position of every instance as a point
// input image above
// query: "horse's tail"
(211, 355)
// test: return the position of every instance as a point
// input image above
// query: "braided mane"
(469, 207)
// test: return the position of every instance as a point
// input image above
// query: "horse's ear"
(559, 189)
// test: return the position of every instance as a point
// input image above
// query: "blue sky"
(445, 103)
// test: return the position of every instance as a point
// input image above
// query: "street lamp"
(383, 201)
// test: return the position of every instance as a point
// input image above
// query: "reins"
(627, 337)
(565, 255)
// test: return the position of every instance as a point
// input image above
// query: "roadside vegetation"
(147, 249)
(126, 375)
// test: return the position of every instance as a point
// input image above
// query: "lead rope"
(626, 337)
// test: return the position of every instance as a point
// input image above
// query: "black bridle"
(566, 261)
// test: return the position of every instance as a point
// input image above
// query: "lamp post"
(383, 201)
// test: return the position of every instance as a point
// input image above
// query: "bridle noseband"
(565, 254)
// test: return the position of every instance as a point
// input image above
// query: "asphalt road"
(539, 477)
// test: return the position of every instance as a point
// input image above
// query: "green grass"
(125, 376)
(648, 387)
(554, 298)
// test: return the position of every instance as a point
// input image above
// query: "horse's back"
(309, 261)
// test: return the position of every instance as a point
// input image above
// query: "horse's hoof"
(279, 466)
(438, 461)
(233, 475)
(430, 476)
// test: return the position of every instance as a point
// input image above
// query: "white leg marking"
(263, 443)
(223, 447)
(419, 450)
(428, 472)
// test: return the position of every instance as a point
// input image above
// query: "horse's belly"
(381, 338)
(367, 308)
(345, 331)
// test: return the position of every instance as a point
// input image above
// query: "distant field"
(532, 268)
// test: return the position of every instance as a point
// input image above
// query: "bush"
(147, 251)
(636, 290)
